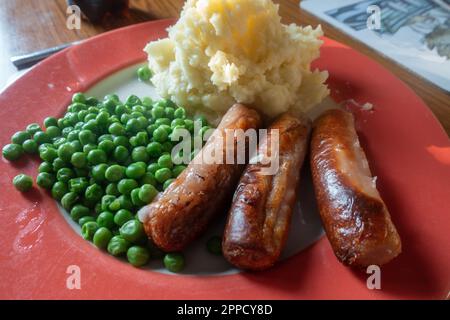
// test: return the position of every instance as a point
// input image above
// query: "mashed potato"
(226, 51)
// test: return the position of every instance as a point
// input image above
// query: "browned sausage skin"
(355, 218)
(260, 215)
(201, 192)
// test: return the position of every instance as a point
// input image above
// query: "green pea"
(58, 163)
(69, 200)
(88, 230)
(45, 180)
(102, 118)
(118, 245)
(147, 193)
(111, 189)
(141, 139)
(96, 156)
(30, 146)
(170, 112)
(177, 122)
(78, 185)
(154, 149)
(99, 171)
(167, 183)
(33, 128)
(57, 142)
(106, 146)
(135, 171)
(91, 124)
(12, 151)
(105, 137)
(20, 136)
(121, 153)
(78, 211)
(59, 189)
(132, 231)
(86, 137)
(133, 100)
(151, 129)
(89, 147)
(148, 178)
(85, 219)
(65, 152)
(65, 174)
(117, 129)
(138, 256)
(139, 154)
(106, 201)
(105, 219)
(158, 112)
(48, 154)
(45, 167)
(126, 185)
(41, 137)
(79, 160)
(50, 122)
(65, 132)
(144, 73)
(53, 132)
(174, 262)
(132, 126)
(122, 216)
(22, 182)
(115, 173)
(163, 174)
(165, 161)
(94, 193)
(135, 198)
(79, 97)
(189, 125)
(180, 113)
(153, 167)
(214, 245)
(102, 237)
(125, 202)
(77, 147)
(115, 205)
(165, 121)
(160, 135)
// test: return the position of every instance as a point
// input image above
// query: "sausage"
(355, 218)
(201, 192)
(260, 215)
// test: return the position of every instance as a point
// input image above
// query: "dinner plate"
(409, 152)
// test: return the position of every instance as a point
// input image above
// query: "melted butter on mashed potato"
(226, 51)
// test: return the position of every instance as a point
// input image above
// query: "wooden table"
(27, 26)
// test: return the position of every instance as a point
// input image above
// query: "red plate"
(407, 149)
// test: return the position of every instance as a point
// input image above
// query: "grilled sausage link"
(202, 191)
(260, 216)
(355, 218)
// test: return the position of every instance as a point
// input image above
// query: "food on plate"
(202, 191)
(103, 160)
(356, 220)
(260, 215)
(221, 52)
(22, 182)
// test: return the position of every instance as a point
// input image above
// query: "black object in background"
(96, 10)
